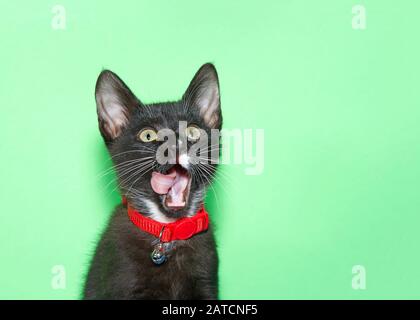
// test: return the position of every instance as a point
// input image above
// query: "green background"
(340, 109)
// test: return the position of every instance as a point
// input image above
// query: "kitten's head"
(160, 151)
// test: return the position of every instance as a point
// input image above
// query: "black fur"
(121, 267)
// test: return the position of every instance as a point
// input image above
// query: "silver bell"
(157, 256)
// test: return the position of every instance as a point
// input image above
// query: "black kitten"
(121, 267)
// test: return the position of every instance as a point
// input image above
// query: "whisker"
(214, 191)
(126, 171)
(145, 171)
(122, 164)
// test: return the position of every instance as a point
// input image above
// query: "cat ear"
(203, 93)
(114, 103)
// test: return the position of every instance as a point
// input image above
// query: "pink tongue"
(172, 184)
(176, 193)
(161, 183)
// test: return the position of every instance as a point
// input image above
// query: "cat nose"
(183, 160)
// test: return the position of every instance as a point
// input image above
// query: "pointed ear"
(203, 93)
(114, 104)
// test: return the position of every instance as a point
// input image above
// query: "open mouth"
(174, 186)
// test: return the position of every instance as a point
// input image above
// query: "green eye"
(147, 135)
(193, 133)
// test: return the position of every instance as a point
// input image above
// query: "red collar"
(182, 229)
